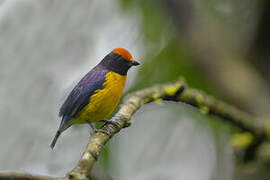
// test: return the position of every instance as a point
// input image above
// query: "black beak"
(135, 63)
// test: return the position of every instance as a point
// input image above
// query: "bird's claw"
(102, 131)
(115, 124)
(95, 130)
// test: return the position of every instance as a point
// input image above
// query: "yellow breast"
(105, 100)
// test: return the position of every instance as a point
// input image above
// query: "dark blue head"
(119, 61)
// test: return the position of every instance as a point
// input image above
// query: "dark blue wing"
(82, 92)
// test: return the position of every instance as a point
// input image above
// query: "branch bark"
(178, 92)
(23, 176)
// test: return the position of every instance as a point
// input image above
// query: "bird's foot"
(102, 131)
(95, 130)
(115, 124)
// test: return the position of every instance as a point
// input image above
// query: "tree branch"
(212, 106)
(178, 92)
(244, 121)
(23, 176)
(122, 117)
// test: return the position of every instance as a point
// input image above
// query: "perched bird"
(98, 93)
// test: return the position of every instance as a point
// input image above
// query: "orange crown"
(124, 53)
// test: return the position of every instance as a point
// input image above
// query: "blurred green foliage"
(167, 66)
(167, 59)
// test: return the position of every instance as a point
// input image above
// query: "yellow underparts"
(104, 101)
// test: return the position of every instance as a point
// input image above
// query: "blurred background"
(221, 47)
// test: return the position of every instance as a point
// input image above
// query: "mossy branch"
(177, 91)
(131, 104)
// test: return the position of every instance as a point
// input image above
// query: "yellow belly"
(104, 101)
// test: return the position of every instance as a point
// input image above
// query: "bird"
(98, 93)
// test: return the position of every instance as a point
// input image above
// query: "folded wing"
(82, 92)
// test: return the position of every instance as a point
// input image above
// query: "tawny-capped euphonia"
(98, 93)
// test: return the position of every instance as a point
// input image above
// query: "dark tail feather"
(65, 123)
(55, 139)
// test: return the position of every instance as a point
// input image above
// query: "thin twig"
(23, 176)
